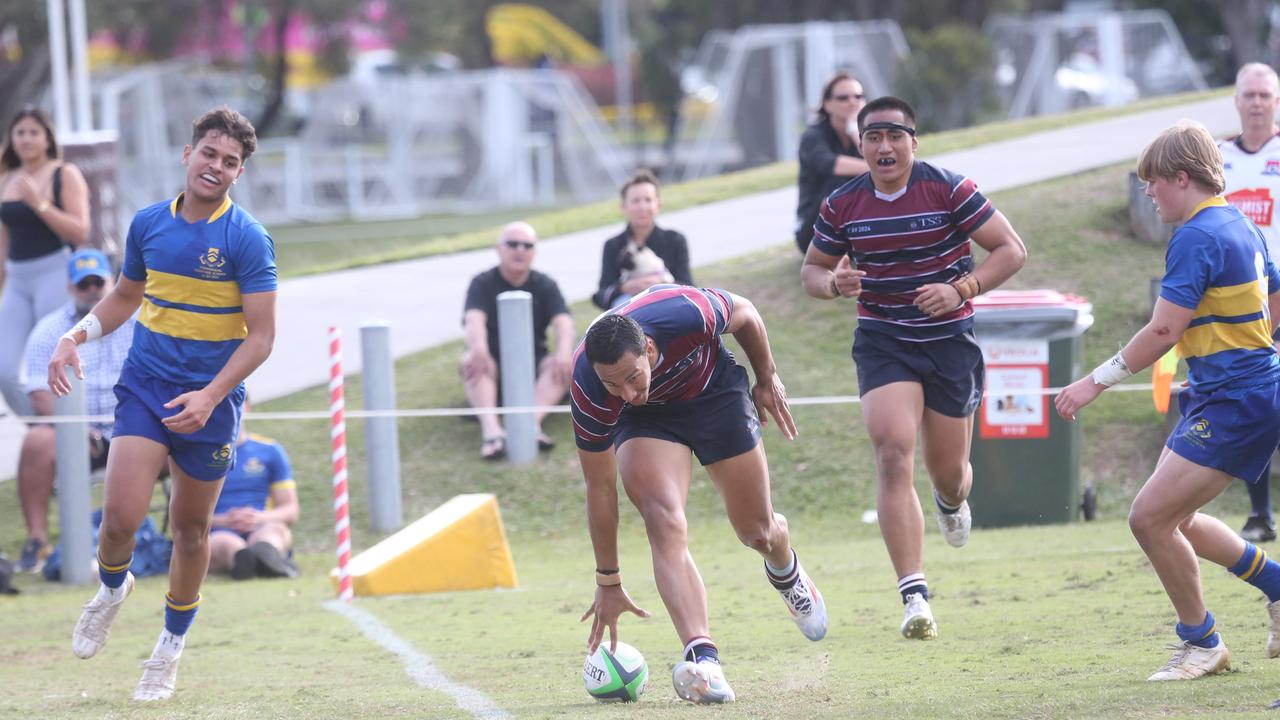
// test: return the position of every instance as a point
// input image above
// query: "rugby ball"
(615, 676)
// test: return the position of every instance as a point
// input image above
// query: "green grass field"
(1048, 622)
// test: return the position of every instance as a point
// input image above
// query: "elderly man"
(90, 279)
(1251, 168)
(517, 246)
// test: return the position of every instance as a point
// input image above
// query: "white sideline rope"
(517, 410)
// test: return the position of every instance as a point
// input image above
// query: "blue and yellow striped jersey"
(191, 318)
(1217, 265)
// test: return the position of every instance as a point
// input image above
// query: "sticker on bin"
(1014, 405)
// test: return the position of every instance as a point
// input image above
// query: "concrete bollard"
(382, 436)
(75, 515)
(515, 337)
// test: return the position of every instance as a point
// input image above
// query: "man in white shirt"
(1251, 164)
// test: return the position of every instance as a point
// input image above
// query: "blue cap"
(87, 262)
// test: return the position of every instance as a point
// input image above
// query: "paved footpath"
(422, 299)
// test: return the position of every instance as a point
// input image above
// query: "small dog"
(637, 261)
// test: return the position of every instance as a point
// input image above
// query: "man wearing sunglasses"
(90, 280)
(517, 246)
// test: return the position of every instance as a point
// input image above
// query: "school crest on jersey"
(210, 264)
(1272, 167)
(254, 467)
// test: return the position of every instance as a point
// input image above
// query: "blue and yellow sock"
(177, 618)
(1260, 571)
(113, 575)
(913, 584)
(701, 649)
(1204, 635)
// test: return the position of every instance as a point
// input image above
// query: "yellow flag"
(1162, 380)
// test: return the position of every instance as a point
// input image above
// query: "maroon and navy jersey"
(917, 236)
(685, 325)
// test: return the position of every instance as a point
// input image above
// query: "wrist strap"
(91, 326)
(1112, 371)
(608, 579)
(968, 286)
(835, 291)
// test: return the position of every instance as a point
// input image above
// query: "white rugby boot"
(917, 619)
(1192, 661)
(701, 682)
(96, 617)
(955, 526)
(808, 609)
(1273, 637)
(159, 678)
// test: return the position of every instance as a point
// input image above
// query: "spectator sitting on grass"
(259, 501)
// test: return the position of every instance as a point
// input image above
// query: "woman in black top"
(830, 154)
(44, 214)
(626, 268)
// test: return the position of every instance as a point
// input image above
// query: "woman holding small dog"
(643, 254)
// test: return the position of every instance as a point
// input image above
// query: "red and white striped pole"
(338, 438)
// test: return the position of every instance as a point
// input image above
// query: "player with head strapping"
(653, 383)
(1217, 300)
(203, 272)
(906, 225)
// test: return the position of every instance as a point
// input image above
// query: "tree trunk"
(279, 78)
(1244, 21)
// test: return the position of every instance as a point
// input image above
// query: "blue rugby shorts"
(206, 454)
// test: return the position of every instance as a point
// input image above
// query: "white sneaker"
(807, 607)
(917, 619)
(702, 683)
(955, 526)
(1192, 661)
(159, 678)
(96, 617)
(1273, 637)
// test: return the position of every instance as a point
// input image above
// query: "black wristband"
(614, 571)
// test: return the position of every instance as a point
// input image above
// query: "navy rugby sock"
(913, 584)
(786, 577)
(944, 508)
(701, 649)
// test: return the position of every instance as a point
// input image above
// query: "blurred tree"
(948, 77)
(1245, 23)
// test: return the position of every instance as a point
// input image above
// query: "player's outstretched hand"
(64, 353)
(197, 406)
(1075, 396)
(770, 398)
(848, 278)
(609, 604)
(938, 299)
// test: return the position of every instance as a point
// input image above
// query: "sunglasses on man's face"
(519, 245)
(94, 282)
(846, 97)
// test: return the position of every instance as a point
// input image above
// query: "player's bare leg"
(656, 475)
(133, 465)
(946, 443)
(1163, 511)
(743, 483)
(893, 414)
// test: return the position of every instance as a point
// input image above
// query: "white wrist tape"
(1112, 371)
(91, 326)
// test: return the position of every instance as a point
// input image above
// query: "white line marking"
(417, 665)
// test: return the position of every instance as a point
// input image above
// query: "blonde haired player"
(1219, 293)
